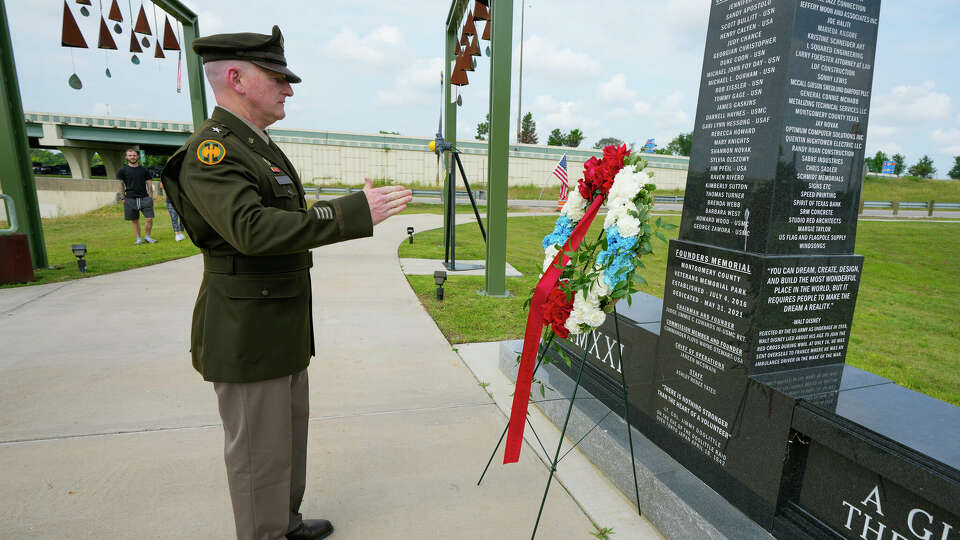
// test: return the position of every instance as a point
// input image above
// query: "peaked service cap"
(263, 50)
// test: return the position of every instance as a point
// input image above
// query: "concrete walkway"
(107, 432)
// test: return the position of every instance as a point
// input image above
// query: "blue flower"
(561, 232)
(617, 258)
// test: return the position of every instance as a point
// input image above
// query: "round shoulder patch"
(211, 152)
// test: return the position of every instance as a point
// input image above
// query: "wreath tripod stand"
(557, 458)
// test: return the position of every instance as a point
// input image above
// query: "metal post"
(451, 209)
(543, 354)
(191, 31)
(523, 5)
(473, 202)
(16, 167)
(451, 42)
(563, 432)
(198, 95)
(498, 148)
(626, 409)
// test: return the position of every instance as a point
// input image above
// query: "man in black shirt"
(137, 195)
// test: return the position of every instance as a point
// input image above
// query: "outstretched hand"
(385, 201)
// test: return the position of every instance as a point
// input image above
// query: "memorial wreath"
(582, 280)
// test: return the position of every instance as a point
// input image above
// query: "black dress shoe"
(311, 529)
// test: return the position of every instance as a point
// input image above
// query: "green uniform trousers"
(265, 449)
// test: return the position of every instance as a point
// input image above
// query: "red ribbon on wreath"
(531, 338)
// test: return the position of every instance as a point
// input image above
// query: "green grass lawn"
(906, 326)
(526, 192)
(427, 208)
(877, 188)
(109, 240)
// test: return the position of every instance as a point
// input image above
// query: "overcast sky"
(623, 68)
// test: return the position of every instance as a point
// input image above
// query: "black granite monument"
(741, 377)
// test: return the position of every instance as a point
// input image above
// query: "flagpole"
(520, 84)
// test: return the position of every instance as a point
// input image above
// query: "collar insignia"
(216, 130)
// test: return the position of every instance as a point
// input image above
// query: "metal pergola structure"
(16, 168)
(498, 146)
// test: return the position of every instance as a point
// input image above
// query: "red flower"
(592, 170)
(557, 310)
(598, 174)
(616, 154)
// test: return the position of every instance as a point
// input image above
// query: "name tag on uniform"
(283, 180)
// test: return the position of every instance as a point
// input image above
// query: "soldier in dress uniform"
(242, 204)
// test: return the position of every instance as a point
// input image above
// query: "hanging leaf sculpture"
(71, 35)
(115, 14)
(134, 44)
(106, 40)
(142, 26)
(169, 37)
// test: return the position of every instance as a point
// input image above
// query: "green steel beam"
(191, 31)
(449, 108)
(457, 9)
(499, 146)
(16, 167)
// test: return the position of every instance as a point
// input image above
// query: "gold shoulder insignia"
(211, 152)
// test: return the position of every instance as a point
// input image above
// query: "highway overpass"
(320, 156)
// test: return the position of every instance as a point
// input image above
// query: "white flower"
(600, 287)
(626, 185)
(550, 253)
(595, 318)
(572, 325)
(629, 226)
(615, 212)
(575, 206)
(586, 310)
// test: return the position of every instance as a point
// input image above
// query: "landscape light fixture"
(439, 277)
(79, 250)
(410, 233)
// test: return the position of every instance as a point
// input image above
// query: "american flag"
(560, 171)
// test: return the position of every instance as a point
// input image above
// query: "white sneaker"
(149, 240)
(138, 242)
(179, 237)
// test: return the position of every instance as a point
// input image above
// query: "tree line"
(923, 168)
(681, 144)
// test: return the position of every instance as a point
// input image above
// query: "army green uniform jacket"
(242, 204)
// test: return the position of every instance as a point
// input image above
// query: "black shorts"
(133, 206)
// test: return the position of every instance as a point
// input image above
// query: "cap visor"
(292, 77)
